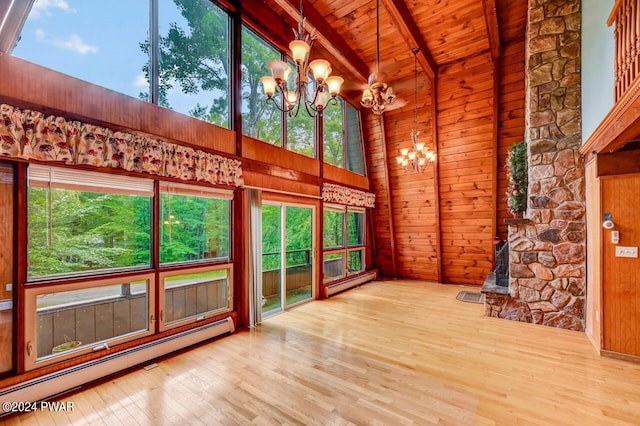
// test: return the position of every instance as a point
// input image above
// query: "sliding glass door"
(287, 256)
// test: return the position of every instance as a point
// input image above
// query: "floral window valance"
(30, 135)
(351, 197)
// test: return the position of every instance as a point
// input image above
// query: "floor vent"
(65, 380)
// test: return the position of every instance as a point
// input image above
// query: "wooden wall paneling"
(7, 223)
(389, 200)
(436, 174)
(20, 275)
(466, 156)
(377, 170)
(273, 157)
(344, 177)
(27, 85)
(621, 276)
(414, 201)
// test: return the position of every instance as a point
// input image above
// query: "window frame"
(163, 275)
(171, 188)
(31, 323)
(74, 179)
(346, 248)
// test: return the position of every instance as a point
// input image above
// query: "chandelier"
(314, 97)
(418, 157)
(377, 94)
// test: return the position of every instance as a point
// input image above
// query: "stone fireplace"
(547, 247)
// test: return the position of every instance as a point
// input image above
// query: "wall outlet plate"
(8, 287)
(622, 251)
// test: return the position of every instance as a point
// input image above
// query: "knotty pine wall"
(473, 139)
(466, 146)
(6, 231)
(413, 203)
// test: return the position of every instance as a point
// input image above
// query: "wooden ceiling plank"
(411, 34)
(491, 17)
(327, 36)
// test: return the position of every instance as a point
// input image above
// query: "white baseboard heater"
(345, 285)
(49, 385)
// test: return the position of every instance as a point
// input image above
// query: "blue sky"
(97, 41)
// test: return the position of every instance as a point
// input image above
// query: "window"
(300, 128)
(194, 59)
(81, 222)
(192, 295)
(194, 223)
(342, 138)
(343, 257)
(333, 134)
(355, 158)
(73, 319)
(260, 119)
(333, 228)
(98, 42)
(108, 43)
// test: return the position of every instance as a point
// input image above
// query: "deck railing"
(626, 16)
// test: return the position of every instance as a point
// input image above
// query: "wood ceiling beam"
(409, 30)
(327, 36)
(491, 19)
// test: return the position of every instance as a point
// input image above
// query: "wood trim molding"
(436, 176)
(619, 126)
(412, 35)
(491, 19)
(387, 182)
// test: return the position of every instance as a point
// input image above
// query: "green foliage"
(73, 231)
(333, 134)
(193, 228)
(517, 173)
(333, 227)
(298, 233)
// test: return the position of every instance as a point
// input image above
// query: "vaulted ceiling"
(444, 30)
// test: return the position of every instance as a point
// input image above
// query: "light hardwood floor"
(393, 353)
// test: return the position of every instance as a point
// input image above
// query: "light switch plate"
(622, 251)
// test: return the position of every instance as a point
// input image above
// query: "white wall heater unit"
(345, 285)
(53, 384)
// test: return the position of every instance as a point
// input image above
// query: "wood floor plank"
(389, 352)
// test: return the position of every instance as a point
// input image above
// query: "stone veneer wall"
(547, 250)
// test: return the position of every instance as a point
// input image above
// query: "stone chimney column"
(547, 271)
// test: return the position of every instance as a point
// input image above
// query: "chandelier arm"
(280, 108)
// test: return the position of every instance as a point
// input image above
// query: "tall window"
(95, 41)
(333, 134)
(108, 43)
(342, 137)
(260, 119)
(194, 59)
(194, 223)
(300, 129)
(86, 221)
(344, 241)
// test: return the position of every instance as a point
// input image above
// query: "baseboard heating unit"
(44, 387)
(345, 285)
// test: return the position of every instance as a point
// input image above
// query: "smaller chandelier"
(377, 94)
(417, 158)
(324, 89)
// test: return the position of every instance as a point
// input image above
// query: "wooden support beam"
(411, 33)
(436, 175)
(491, 19)
(387, 182)
(327, 37)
